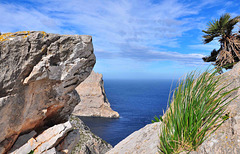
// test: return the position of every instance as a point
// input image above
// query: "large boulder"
(38, 76)
(94, 102)
(143, 141)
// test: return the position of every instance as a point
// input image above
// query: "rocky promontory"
(94, 102)
(39, 74)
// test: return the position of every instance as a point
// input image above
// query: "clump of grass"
(195, 112)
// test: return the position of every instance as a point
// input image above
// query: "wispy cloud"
(133, 28)
(143, 31)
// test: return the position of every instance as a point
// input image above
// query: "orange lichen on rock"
(3, 37)
(44, 33)
(7, 36)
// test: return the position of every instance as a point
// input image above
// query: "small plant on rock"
(196, 110)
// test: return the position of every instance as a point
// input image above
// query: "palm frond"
(222, 27)
(209, 38)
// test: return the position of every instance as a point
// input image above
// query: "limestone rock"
(22, 139)
(94, 102)
(143, 141)
(88, 143)
(38, 76)
(63, 138)
(50, 151)
(69, 142)
(46, 140)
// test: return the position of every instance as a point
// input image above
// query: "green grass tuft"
(197, 109)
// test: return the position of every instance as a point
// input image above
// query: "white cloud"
(130, 29)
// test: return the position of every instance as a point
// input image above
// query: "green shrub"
(197, 109)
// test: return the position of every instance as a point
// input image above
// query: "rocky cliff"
(88, 142)
(94, 102)
(72, 136)
(226, 140)
(38, 76)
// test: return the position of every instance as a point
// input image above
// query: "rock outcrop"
(72, 136)
(38, 76)
(46, 140)
(88, 143)
(143, 141)
(94, 102)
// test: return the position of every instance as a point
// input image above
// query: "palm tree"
(229, 52)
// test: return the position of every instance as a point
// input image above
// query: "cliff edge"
(38, 76)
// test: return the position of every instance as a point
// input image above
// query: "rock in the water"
(143, 141)
(88, 143)
(94, 102)
(38, 76)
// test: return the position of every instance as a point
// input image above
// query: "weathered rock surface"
(72, 136)
(69, 142)
(94, 102)
(88, 143)
(46, 140)
(22, 139)
(143, 141)
(226, 140)
(38, 76)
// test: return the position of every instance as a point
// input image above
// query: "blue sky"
(133, 39)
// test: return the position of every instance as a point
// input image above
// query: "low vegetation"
(197, 109)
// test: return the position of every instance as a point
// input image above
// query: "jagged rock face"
(143, 141)
(46, 140)
(88, 143)
(94, 102)
(38, 75)
(72, 136)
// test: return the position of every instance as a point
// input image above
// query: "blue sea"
(137, 102)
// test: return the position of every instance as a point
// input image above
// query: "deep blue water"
(137, 102)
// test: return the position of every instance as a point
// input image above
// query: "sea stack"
(94, 102)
